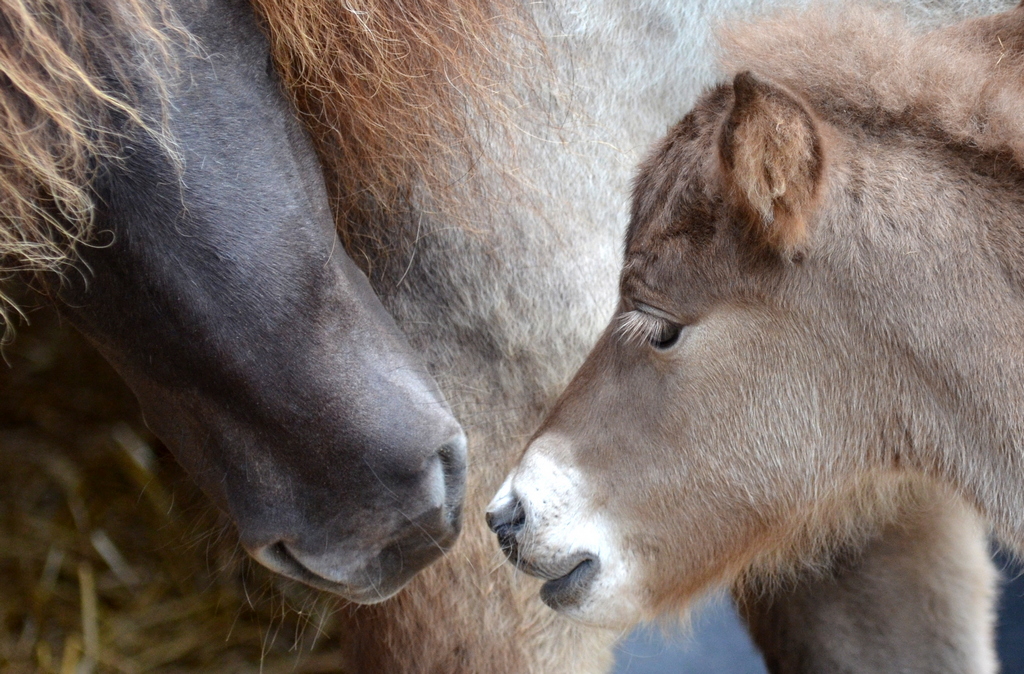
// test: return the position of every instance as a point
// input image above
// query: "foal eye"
(648, 325)
(667, 336)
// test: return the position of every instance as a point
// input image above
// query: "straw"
(110, 559)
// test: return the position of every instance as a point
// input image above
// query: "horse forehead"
(674, 196)
(680, 234)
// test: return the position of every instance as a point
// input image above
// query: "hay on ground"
(110, 560)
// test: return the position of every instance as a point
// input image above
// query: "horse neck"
(938, 284)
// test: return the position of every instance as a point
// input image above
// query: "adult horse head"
(212, 279)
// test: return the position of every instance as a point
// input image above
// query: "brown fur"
(394, 93)
(56, 115)
(414, 150)
(869, 67)
(916, 598)
(772, 158)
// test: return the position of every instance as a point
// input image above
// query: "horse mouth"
(563, 589)
(281, 560)
(374, 578)
(569, 590)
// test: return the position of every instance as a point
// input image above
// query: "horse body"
(819, 318)
(215, 284)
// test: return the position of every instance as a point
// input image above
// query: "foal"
(821, 310)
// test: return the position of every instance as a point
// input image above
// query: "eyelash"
(640, 327)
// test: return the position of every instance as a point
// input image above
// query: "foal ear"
(771, 153)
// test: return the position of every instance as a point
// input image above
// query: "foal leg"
(918, 598)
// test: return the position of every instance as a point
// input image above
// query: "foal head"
(812, 291)
(662, 452)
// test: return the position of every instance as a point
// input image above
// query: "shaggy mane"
(963, 82)
(395, 95)
(57, 107)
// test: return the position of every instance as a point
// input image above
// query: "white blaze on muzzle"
(561, 529)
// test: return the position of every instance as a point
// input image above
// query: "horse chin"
(548, 528)
(579, 587)
(590, 597)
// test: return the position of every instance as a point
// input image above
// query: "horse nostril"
(507, 520)
(453, 459)
(453, 466)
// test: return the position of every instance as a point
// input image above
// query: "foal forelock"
(861, 65)
(68, 69)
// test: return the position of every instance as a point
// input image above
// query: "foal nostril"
(507, 520)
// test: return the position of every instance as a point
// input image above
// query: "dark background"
(719, 644)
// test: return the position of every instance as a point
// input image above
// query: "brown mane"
(56, 116)
(393, 92)
(866, 63)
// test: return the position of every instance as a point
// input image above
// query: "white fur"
(561, 523)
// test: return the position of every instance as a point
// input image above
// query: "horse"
(158, 188)
(819, 317)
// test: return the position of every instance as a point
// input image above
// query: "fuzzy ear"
(771, 152)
